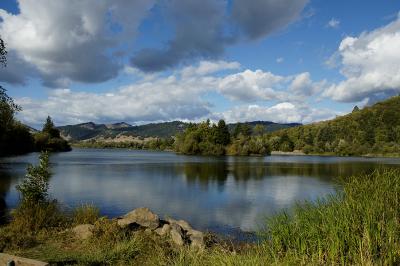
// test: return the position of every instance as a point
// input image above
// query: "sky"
(144, 61)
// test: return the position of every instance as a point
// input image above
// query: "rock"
(197, 242)
(185, 225)
(177, 234)
(83, 231)
(141, 216)
(162, 231)
(196, 239)
(6, 259)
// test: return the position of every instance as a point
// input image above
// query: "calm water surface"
(222, 194)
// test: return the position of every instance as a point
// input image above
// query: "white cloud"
(71, 40)
(181, 96)
(284, 112)
(152, 98)
(251, 86)
(333, 23)
(280, 60)
(370, 64)
(209, 67)
(302, 85)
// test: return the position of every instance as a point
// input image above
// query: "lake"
(227, 195)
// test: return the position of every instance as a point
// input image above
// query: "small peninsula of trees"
(49, 139)
(215, 139)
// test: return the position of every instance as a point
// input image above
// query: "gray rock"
(83, 231)
(185, 225)
(177, 234)
(162, 231)
(5, 259)
(196, 239)
(141, 216)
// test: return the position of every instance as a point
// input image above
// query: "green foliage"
(153, 144)
(49, 139)
(242, 129)
(357, 226)
(372, 130)
(35, 211)
(244, 146)
(50, 129)
(210, 139)
(204, 138)
(85, 214)
(34, 188)
(14, 137)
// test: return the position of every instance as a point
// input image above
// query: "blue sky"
(240, 60)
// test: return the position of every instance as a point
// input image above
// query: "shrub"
(34, 187)
(85, 214)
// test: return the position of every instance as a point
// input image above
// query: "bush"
(34, 187)
(85, 214)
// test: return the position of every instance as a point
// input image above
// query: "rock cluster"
(179, 231)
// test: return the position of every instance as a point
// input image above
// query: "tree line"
(373, 130)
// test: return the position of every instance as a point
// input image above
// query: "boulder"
(6, 259)
(162, 231)
(141, 216)
(177, 234)
(185, 225)
(196, 239)
(83, 231)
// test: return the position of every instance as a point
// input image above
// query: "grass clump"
(359, 225)
(85, 214)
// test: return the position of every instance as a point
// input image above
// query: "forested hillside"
(372, 130)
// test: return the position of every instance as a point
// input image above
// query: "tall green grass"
(358, 225)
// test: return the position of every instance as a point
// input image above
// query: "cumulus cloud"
(203, 28)
(70, 40)
(180, 96)
(284, 112)
(302, 85)
(370, 64)
(154, 98)
(251, 86)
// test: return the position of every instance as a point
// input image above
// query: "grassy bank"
(359, 225)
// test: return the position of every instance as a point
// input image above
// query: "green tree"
(222, 135)
(242, 129)
(259, 130)
(15, 138)
(34, 188)
(49, 128)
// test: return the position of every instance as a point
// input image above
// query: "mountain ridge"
(91, 130)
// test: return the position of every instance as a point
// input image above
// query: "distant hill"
(91, 130)
(373, 130)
